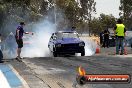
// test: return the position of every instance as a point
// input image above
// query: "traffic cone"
(125, 51)
(97, 48)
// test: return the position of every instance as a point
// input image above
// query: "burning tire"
(81, 80)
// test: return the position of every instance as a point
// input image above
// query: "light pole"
(55, 12)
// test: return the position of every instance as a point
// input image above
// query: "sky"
(107, 7)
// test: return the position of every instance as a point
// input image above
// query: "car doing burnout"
(66, 43)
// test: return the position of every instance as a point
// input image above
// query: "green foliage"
(88, 8)
(126, 12)
(104, 21)
(66, 12)
(107, 20)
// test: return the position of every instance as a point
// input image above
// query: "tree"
(108, 21)
(88, 9)
(104, 21)
(126, 12)
(70, 11)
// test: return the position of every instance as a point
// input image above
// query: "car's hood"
(68, 40)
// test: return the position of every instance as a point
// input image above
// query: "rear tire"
(83, 53)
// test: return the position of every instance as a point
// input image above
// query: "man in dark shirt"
(106, 38)
(101, 38)
(19, 36)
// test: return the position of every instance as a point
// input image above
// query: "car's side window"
(51, 38)
(55, 37)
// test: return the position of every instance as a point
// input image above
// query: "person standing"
(120, 34)
(106, 38)
(10, 40)
(101, 38)
(19, 38)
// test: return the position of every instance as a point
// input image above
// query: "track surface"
(60, 72)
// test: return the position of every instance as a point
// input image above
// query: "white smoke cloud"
(39, 42)
(90, 46)
(40, 39)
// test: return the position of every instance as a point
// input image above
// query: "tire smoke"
(90, 47)
(38, 43)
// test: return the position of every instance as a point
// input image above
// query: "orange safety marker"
(125, 51)
(97, 48)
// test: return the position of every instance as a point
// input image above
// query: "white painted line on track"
(25, 85)
(3, 81)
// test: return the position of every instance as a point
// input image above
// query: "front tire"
(54, 54)
(83, 53)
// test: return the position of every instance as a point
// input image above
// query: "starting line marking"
(3, 81)
(10, 78)
(25, 85)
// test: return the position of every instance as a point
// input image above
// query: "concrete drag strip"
(63, 77)
(42, 70)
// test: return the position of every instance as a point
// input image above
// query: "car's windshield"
(66, 35)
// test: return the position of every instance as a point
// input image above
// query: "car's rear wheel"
(83, 53)
(54, 54)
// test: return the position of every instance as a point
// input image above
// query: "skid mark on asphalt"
(41, 70)
(61, 85)
(49, 75)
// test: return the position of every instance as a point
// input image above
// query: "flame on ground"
(81, 71)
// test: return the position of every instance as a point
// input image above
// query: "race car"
(66, 42)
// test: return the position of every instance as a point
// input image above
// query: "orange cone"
(125, 51)
(97, 48)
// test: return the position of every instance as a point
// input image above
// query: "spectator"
(120, 34)
(106, 38)
(101, 38)
(19, 38)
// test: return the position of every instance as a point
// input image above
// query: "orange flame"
(81, 71)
